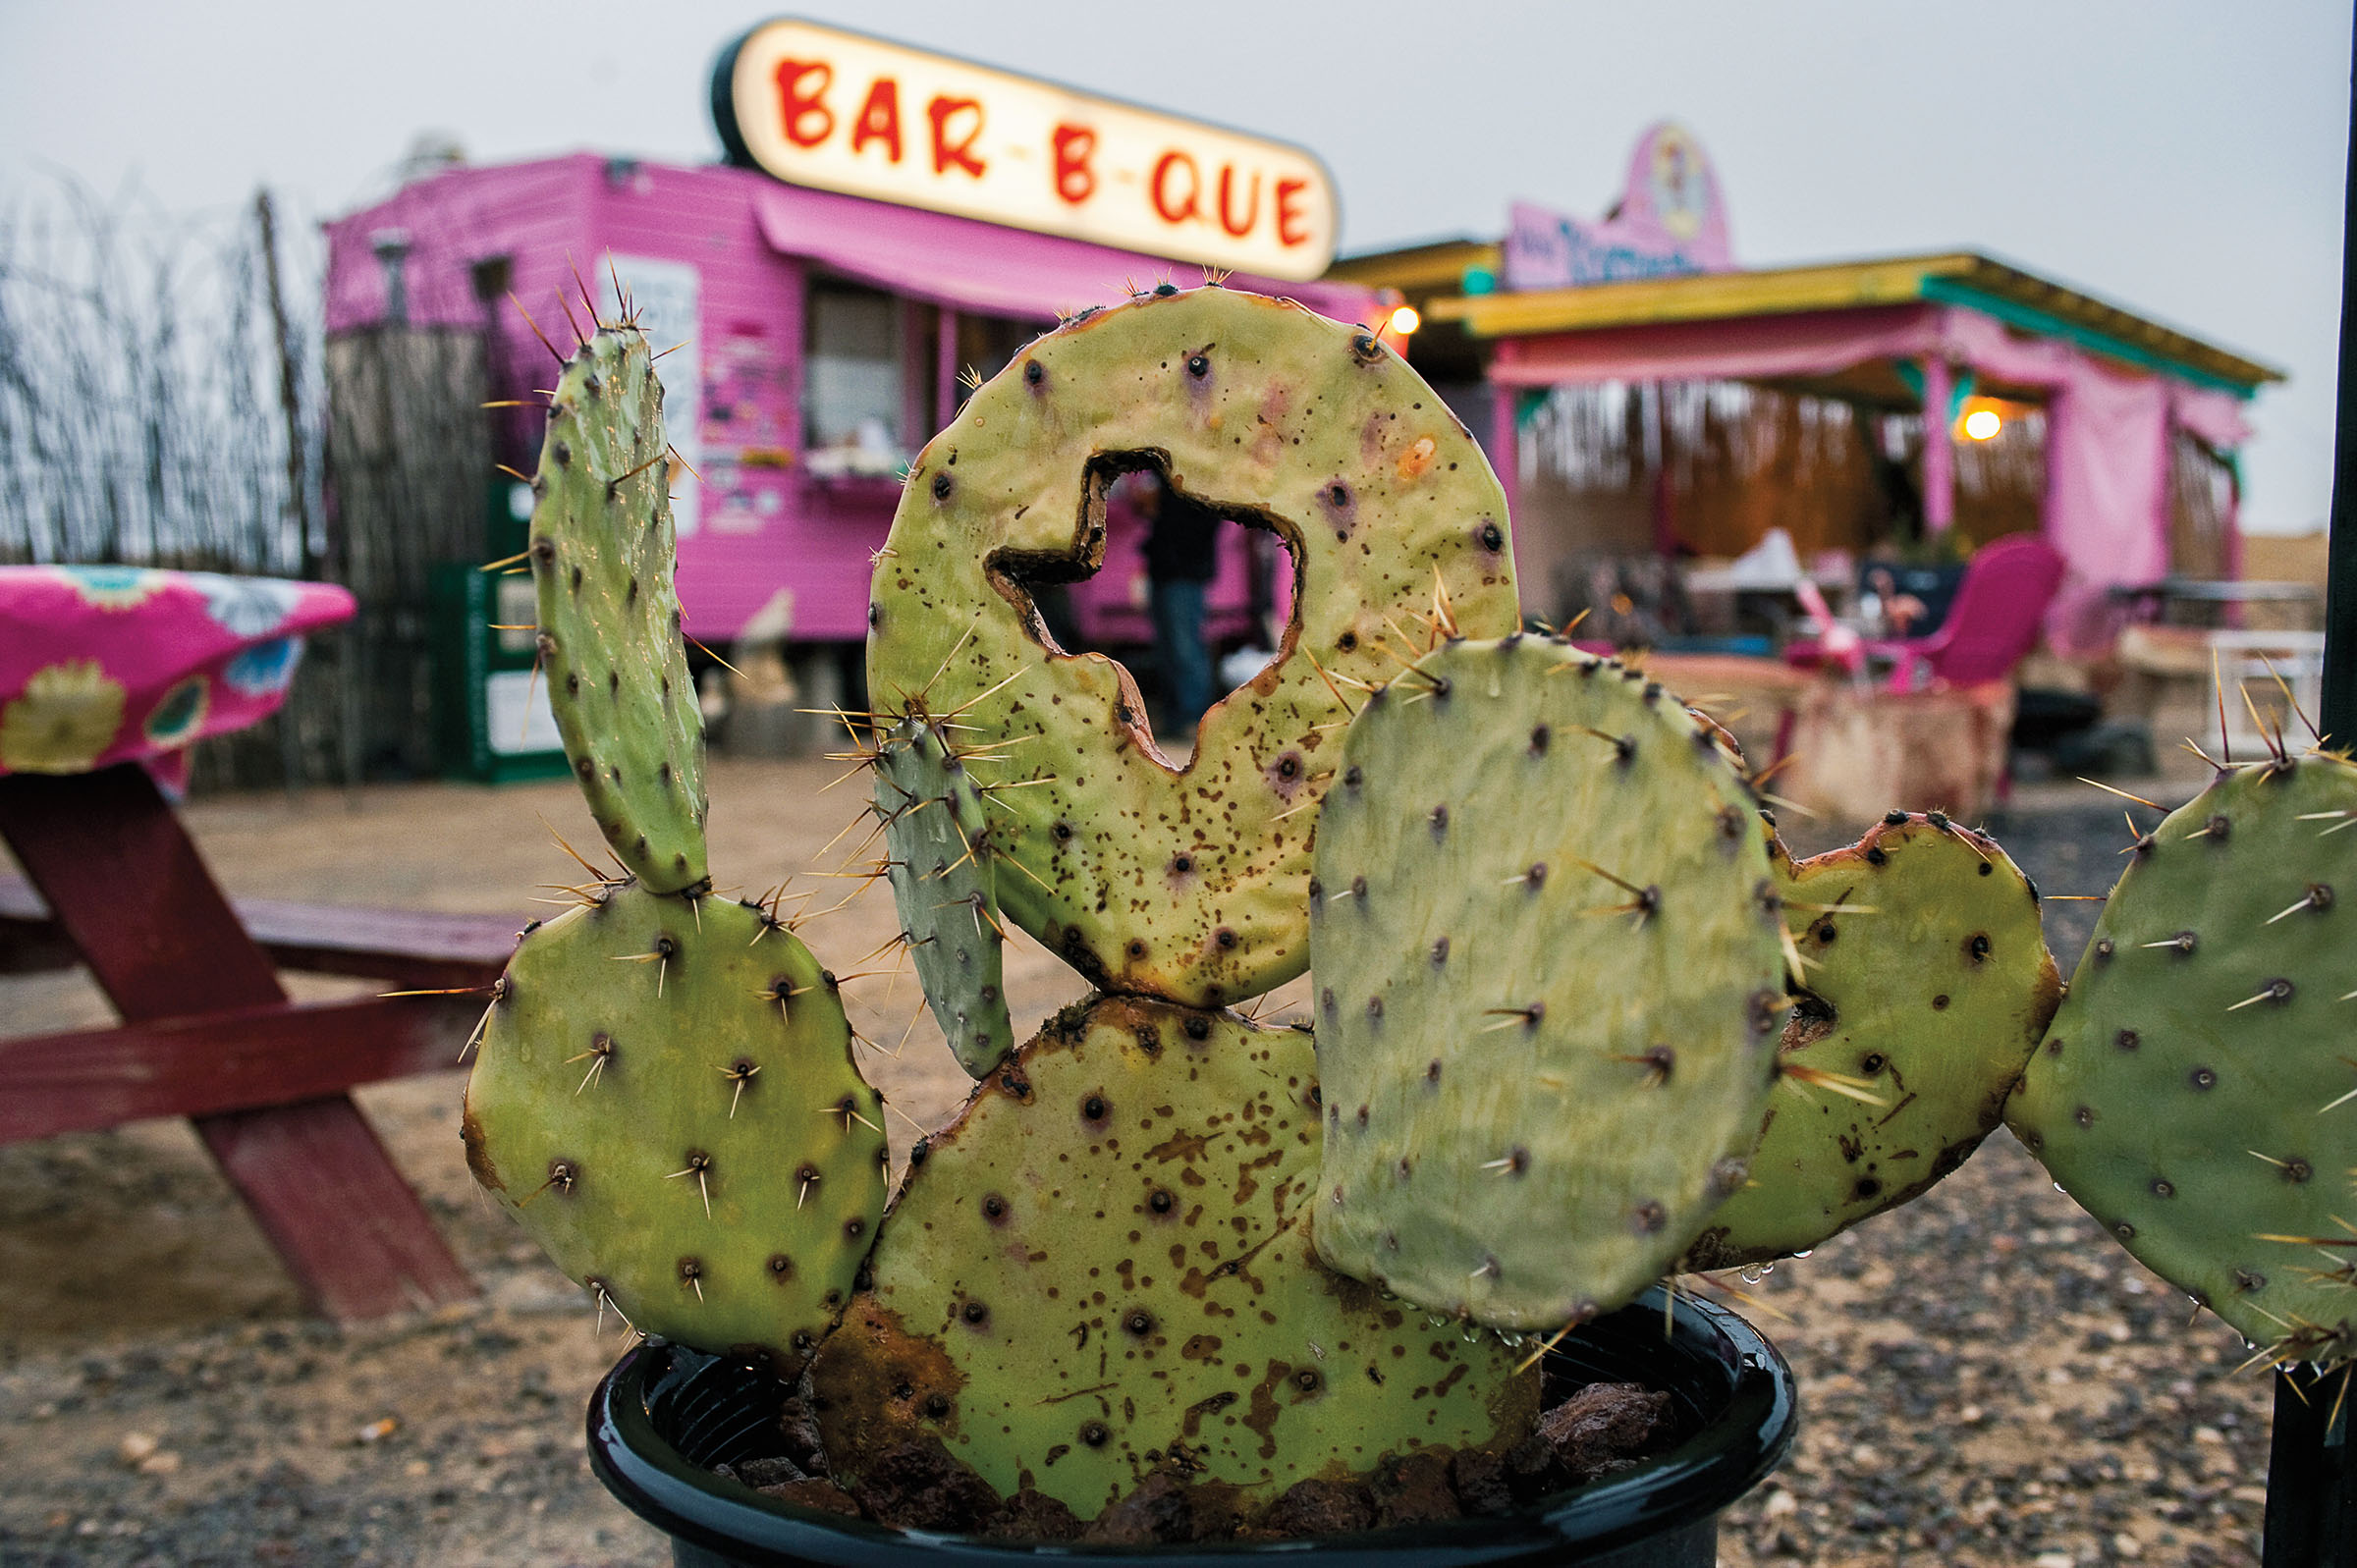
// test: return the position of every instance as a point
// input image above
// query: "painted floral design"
(65, 718)
(175, 719)
(265, 668)
(249, 606)
(113, 587)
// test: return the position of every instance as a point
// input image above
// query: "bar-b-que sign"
(818, 106)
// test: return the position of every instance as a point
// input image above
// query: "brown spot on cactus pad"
(1148, 1291)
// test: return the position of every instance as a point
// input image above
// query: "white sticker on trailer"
(666, 296)
(516, 712)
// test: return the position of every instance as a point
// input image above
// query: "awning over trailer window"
(988, 270)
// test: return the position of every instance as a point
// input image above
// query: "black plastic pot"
(665, 1413)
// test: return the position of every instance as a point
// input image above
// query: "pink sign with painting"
(1670, 220)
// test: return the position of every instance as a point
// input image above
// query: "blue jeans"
(1180, 652)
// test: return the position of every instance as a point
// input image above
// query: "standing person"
(1181, 557)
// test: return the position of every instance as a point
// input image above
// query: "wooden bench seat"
(416, 948)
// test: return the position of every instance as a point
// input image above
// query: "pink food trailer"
(825, 334)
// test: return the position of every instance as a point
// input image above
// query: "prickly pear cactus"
(1925, 983)
(942, 862)
(601, 555)
(2196, 1092)
(1184, 883)
(1547, 944)
(1100, 1271)
(666, 1101)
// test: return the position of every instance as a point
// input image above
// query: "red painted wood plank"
(349, 1226)
(247, 1059)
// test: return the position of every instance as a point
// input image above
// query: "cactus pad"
(1926, 982)
(1184, 883)
(2194, 1092)
(666, 1101)
(601, 557)
(1100, 1271)
(1547, 948)
(942, 862)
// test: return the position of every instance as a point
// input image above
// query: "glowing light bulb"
(1404, 320)
(1982, 423)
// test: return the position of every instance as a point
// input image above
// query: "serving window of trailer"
(883, 372)
(855, 419)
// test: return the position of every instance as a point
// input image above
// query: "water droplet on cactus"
(1804, 1252)
(1751, 1273)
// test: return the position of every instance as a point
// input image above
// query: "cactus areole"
(1184, 882)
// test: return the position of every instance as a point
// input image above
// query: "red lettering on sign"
(960, 151)
(1164, 166)
(1075, 181)
(801, 109)
(879, 119)
(1251, 203)
(1292, 227)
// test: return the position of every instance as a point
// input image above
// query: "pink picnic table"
(107, 675)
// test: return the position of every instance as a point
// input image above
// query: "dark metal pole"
(2339, 716)
(2311, 1494)
(2311, 1489)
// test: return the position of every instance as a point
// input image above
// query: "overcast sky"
(2186, 159)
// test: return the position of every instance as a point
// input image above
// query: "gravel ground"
(1986, 1378)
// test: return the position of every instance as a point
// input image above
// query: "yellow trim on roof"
(1837, 286)
(1699, 296)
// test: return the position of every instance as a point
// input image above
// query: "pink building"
(824, 337)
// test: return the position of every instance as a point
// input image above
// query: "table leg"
(125, 882)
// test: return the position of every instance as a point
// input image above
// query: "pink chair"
(1992, 624)
(1989, 627)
